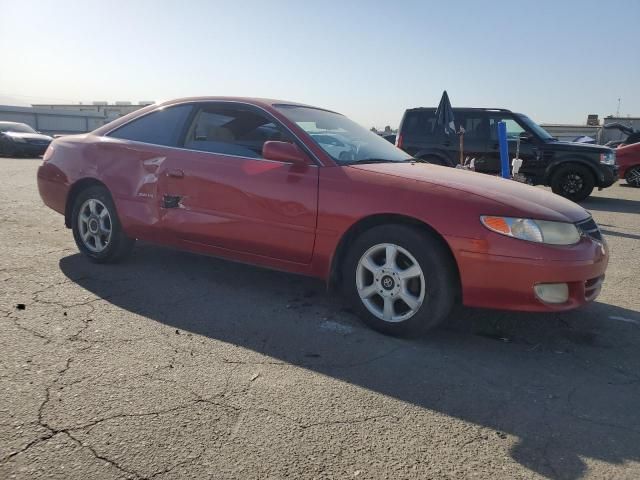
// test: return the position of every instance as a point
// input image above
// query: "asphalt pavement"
(174, 366)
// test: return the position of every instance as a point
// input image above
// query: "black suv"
(571, 169)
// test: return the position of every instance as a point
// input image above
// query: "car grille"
(590, 228)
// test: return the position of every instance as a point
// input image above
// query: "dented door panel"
(131, 171)
(256, 206)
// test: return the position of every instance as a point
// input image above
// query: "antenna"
(618, 110)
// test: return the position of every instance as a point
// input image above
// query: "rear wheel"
(96, 227)
(573, 181)
(400, 280)
(633, 176)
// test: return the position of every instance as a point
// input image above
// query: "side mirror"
(526, 137)
(284, 152)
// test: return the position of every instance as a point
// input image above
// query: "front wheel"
(400, 280)
(633, 176)
(96, 227)
(573, 181)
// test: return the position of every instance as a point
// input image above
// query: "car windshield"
(16, 127)
(535, 128)
(344, 140)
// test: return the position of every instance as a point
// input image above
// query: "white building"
(110, 111)
(568, 132)
(63, 119)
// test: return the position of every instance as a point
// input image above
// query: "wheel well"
(75, 190)
(367, 223)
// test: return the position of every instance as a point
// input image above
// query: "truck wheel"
(400, 280)
(633, 176)
(573, 181)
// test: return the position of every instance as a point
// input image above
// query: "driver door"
(491, 161)
(219, 192)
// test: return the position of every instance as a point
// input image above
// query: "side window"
(513, 128)
(232, 131)
(475, 125)
(162, 127)
(419, 123)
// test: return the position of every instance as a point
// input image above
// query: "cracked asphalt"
(173, 366)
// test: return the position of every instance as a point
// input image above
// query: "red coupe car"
(306, 190)
(628, 158)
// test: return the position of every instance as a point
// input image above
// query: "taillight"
(399, 141)
(48, 153)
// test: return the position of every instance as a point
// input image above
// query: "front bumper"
(607, 176)
(507, 283)
(53, 187)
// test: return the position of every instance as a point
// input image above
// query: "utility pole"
(618, 110)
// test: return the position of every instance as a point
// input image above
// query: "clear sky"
(554, 60)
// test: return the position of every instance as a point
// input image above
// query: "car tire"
(633, 176)
(422, 271)
(573, 181)
(96, 227)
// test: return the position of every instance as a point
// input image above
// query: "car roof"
(477, 109)
(264, 103)
(260, 102)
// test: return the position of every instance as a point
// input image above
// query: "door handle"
(176, 173)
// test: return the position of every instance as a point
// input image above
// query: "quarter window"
(161, 127)
(419, 123)
(475, 125)
(232, 131)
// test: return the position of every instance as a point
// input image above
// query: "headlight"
(539, 231)
(17, 139)
(608, 158)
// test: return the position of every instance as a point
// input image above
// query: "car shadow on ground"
(607, 204)
(566, 386)
(620, 234)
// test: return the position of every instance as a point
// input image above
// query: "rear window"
(419, 123)
(162, 127)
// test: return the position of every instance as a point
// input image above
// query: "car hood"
(576, 147)
(28, 136)
(525, 200)
(628, 150)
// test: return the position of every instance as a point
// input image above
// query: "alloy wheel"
(390, 282)
(573, 183)
(94, 225)
(633, 177)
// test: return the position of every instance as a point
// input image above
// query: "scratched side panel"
(130, 171)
